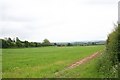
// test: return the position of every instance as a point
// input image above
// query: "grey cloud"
(18, 19)
(102, 2)
(16, 32)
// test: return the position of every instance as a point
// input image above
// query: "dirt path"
(83, 60)
(86, 59)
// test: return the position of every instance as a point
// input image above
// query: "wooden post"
(119, 12)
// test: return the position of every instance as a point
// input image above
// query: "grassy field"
(85, 70)
(43, 62)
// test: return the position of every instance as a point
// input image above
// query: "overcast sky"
(57, 20)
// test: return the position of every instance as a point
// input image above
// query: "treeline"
(109, 62)
(17, 43)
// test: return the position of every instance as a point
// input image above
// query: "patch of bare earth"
(86, 59)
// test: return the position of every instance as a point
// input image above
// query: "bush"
(109, 61)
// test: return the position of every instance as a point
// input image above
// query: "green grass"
(85, 70)
(42, 62)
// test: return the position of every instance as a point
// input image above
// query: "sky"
(58, 20)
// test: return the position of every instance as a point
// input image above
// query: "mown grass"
(42, 62)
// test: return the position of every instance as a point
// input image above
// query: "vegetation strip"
(79, 62)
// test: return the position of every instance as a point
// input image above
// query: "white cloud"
(57, 20)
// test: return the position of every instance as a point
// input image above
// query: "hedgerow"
(109, 62)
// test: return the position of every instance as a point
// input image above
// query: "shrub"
(109, 61)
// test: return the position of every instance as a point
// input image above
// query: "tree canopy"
(17, 43)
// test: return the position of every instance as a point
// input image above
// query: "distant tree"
(69, 44)
(5, 44)
(39, 45)
(17, 39)
(9, 43)
(46, 42)
(32, 44)
(93, 43)
(9, 40)
(13, 40)
(0, 43)
(36, 44)
(55, 44)
(26, 43)
(18, 42)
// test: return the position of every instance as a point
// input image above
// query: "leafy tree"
(69, 44)
(39, 44)
(9, 43)
(46, 42)
(18, 42)
(26, 43)
(93, 43)
(55, 44)
(9, 40)
(36, 44)
(5, 44)
(32, 44)
(17, 39)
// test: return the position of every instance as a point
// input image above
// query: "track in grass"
(86, 59)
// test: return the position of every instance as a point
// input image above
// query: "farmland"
(44, 62)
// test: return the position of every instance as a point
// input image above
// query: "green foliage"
(46, 42)
(9, 43)
(26, 44)
(17, 39)
(118, 42)
(0, 43)
(18, 44)
(109, 61)
(69, 44)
